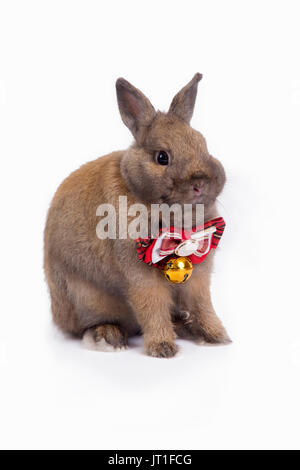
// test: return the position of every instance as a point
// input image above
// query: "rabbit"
(99, 289)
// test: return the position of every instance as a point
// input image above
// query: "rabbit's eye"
(162, 158)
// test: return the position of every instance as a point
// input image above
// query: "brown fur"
(100, 283)
(112, 334)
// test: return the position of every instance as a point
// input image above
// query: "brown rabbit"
(99, 287)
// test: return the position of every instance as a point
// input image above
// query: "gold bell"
(178, 270)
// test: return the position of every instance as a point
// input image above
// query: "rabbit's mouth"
(189, 192)
(197, 195)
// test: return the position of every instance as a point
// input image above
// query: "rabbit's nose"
(197, 190)
(198, 184)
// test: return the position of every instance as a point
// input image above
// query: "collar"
(194, 244)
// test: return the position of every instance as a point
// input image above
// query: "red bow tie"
(186, 244)
(194, 244)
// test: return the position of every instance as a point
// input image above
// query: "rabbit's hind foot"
(106, 338)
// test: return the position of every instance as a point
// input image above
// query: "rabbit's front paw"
(161, 349)
(200, 327)
(212, 331)
(218, 338)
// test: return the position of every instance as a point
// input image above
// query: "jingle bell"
(178, 270)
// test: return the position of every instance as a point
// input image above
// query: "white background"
(58, 64)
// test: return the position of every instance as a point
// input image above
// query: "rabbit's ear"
(136, 110)
(183, 103)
